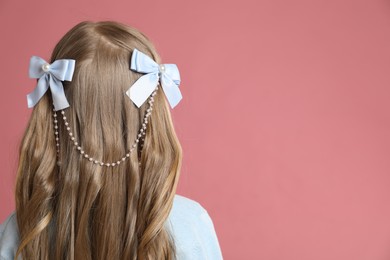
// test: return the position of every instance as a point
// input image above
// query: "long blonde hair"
(80, 210)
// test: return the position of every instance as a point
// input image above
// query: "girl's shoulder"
(193, 230)
(189, 223)
(9, 238)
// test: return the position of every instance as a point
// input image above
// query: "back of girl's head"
(71, 208)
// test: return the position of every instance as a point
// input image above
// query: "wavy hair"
(77, 209)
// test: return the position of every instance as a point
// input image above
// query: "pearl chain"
(140, 135)
(56, 134)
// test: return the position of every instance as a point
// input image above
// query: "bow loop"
(167, 74)
(173, 72)
(142, 63)
(50, 76)
(62, 69)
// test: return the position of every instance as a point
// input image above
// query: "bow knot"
(50, 75)
(167, 74)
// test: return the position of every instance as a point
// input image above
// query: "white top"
(190, 224)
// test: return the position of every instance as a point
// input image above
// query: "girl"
(98, 171)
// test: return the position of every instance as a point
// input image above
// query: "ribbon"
(50, 75)
(167, 74)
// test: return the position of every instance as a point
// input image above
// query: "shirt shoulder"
(193, 230)
(9, 237)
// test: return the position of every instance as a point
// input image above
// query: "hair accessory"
(50, 75)
(167, 74)
(140, 136)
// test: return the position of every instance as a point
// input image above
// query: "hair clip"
(167, 74)
(50, 75)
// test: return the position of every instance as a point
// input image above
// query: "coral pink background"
(284, 123)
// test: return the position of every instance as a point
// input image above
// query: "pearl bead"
(46, 67)
(107, 164)
(161, 68)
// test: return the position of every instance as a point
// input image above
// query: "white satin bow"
(50, 75)
(167, 74)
